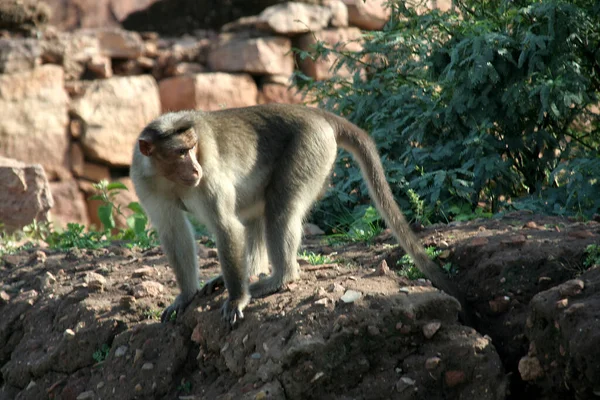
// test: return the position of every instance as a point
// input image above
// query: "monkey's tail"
(362, 147)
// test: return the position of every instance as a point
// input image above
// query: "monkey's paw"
(232, 310)
(178, 306)
(211, 285)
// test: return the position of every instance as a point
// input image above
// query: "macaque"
(251, 175)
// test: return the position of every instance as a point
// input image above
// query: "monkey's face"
(175, 157)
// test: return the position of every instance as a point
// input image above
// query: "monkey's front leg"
(230, 243)
(177, 239)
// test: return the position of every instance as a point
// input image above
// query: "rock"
(368, 14)
(404, 383)
(291, 18)
(260, 56)
(128, 302)
(100, 66)
(45, 129)
(147, 289)
(88, 395)
(143, 272)
(335, 288)
(339, 13)
(118, 43)
(383, 269)
(349, 39)
(350, 296)
(431, 329)
(187, 68)
(312, 229)
(147, 366)
(571, 288)
(45, 282)
(19, 55)
(73, 14)
(69, 334)
(208, 91)
(479, 241)
(23, 16)
(121, 351)
(115, 111)
(94, 277)
(500, 304)
(25, 194)
(432, 363)
(278, 93)
(454, 378)
(69, 204)
(530, 368)
(4, 297)
(72, 51)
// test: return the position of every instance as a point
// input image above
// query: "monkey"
(251, 176)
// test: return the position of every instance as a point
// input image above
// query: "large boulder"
(23, 16)
(25, 195)
(563, 329)
(260, 56)
(348, 39)
(208, 91)
(293, 18)
(69, 204)
(73, 14)
(114, 111)
(71, 50)
(17, 55)
(178, 17)
(368, 14)
(33, 118)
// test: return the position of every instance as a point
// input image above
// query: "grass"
(315, 259)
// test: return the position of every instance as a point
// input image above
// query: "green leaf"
(136, 207)
(116, 185)
(137, 223)
(105, 213)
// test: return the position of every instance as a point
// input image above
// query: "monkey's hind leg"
(257, 260)
(255, 256)
(293, 189)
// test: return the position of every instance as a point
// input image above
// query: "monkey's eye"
(182, 152)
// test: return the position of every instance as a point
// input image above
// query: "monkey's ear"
(146, 147)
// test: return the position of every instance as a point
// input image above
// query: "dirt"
(83, 324)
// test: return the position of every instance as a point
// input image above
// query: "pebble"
(350, 296)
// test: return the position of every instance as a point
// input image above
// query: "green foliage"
(363, 225)
(409, 270)
(136, 232)
(185, 386)
(491, 107)
(315, 259)
(592, 255)
(152, 314)
(101, 354)
(76, 236)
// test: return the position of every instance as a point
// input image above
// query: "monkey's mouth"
(192, 182)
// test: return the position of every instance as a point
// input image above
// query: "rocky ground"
(83, 324)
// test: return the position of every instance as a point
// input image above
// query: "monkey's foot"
(178, 306)
(211, 285)
(265, 287)
(232, 310)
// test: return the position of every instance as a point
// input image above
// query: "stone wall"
(75, 102)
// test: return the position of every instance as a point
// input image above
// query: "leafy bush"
(136, 232)
(489, 106)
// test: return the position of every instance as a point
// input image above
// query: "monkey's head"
(172, 151)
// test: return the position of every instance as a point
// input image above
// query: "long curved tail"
(362, 147)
